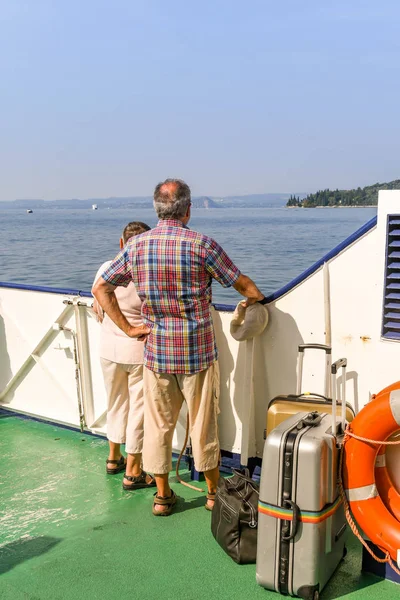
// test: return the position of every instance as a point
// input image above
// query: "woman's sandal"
(121, 464)
(212, 498)
(138, 482)
(169, 502)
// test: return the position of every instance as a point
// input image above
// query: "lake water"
(64, 248)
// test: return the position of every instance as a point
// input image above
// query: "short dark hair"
(172, 199)
(134, 228)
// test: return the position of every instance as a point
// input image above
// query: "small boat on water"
(94, 206)
(65, 515)
(29, 211)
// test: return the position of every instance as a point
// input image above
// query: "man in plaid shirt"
(172, 268)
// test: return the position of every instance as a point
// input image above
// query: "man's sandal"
(212, 498)
(138, 482)
(169, 502)
(120, 465)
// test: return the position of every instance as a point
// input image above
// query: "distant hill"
(367, 196)
(269, 200)
(250, 201)
(205, 202)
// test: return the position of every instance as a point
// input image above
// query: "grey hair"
(171, 201)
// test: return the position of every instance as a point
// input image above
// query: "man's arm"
(105, 296)
(246, 286)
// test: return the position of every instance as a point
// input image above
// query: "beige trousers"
(125, 406)
(165, 393)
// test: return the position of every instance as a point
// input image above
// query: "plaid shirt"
(172, 268)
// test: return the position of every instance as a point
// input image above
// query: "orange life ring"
(387, 491)
(389, 388)
(378, 420)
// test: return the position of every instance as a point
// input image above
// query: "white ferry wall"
(38, 371)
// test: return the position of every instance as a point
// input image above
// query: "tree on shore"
(367, 196)
(293, 201)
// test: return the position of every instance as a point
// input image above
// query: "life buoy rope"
(368, 441)
(189, 485)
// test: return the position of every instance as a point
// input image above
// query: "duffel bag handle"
(245, 475)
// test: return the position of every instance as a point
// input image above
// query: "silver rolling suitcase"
(301, 522)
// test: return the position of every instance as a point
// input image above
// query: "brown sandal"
(121, 464)
(209, 497)
(169, 502)
(138, 482)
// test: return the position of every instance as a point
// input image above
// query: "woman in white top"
(121, 360)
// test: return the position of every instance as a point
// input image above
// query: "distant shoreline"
(340, 206)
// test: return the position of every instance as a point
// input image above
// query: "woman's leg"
(134, 428)
(116, 384)
(115, 451)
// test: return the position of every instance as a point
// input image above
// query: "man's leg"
(211, 477)
(161, 411)
(201, 392)
(134, 427)
(163, 489)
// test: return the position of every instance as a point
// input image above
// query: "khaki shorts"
(125, 406)
(164, 394)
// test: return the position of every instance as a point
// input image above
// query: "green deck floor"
(68, 531)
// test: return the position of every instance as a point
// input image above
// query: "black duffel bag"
(234, 517)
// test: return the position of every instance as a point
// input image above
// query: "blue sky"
(107, 98)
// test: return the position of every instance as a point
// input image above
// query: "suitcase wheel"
(308, 592)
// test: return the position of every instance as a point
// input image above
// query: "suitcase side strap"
(305, 516)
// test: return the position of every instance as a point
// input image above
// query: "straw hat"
(248, 322)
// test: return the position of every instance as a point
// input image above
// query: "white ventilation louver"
(391, 301)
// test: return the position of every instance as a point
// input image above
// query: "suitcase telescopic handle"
(327, 349)
(342, 362)
(338, 364)
(328, 362)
